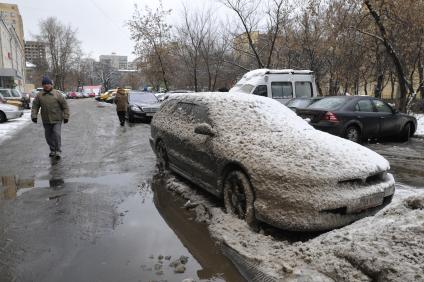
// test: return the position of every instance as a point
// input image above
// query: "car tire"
(353, 133)
(405, 133)
(162, 157)
(3, 117)
(239, 197)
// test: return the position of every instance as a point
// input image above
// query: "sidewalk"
(9, 128)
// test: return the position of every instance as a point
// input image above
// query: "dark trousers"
(121, 116)
(52, 132)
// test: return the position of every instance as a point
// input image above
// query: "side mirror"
(204, 129)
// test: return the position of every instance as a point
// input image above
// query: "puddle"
(152, 230)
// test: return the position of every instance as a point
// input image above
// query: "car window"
(16, 93)
(364, 106)
(330, 103)
(200, 114)
(299, 103)
(184, 111)
(5, 93)
(382, 107)
(168, 106)
(281, 90)
(245, 88)
(303, 89)
(261, 90)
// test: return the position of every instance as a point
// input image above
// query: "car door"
(366, 114)
(200, 150)
(177, 138)
(389, 121)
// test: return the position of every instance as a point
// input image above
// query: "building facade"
(114, 61)
(12, 17)
(12, 57)
(35, 52)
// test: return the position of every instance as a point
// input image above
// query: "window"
(5, 93)
(303, 89)
(200, 114)
(261, 90)
(364, 106)
(184, 111)
(282, 90)
(330, 103)
(245, 88)
(382, 107)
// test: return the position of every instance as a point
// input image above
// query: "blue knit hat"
(46, 80)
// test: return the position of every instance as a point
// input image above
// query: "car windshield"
(330, 103)
(140, 97)
(299, 103)
(245, 88)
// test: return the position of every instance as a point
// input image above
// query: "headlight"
(136, 109)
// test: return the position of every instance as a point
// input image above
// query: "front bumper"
(319, 211)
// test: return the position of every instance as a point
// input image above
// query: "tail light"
(331, 117)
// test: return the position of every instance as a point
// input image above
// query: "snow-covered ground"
(420, 127)
(10, 128)
(386, 247)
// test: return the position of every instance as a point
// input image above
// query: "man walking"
(121, 101)
(54, 110)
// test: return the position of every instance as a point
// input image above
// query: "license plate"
(150, 114)
(368, 202)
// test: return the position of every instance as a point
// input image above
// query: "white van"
(281, 85)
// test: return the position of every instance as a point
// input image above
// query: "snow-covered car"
(8, 112)
(267, 163)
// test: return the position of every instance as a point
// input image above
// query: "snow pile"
(420, 125)
(10, 128)
(386, 247)
(294, 168)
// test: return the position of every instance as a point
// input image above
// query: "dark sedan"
(359, 118)
(142, 106)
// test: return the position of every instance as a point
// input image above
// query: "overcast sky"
(100, 23)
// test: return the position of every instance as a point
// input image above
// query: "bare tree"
(62, 45)
(151, 34)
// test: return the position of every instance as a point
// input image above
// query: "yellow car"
(109, 95)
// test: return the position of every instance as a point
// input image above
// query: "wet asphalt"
(100, 213)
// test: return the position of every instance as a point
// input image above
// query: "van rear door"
(281, 88)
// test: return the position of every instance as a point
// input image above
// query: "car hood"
(312, 155)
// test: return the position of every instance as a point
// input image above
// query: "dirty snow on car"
(286, 173)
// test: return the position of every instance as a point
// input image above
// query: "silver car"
(8, 112)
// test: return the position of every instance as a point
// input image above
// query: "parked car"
(281, 85)
(12, 97)
(142, 105)
(295, 103)
(8, 112)
(267, 163)
(359, 118)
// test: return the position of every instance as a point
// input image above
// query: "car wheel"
(406, 133)
(162, 157)
(353, 134)
(238, 197)
(2, 117)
